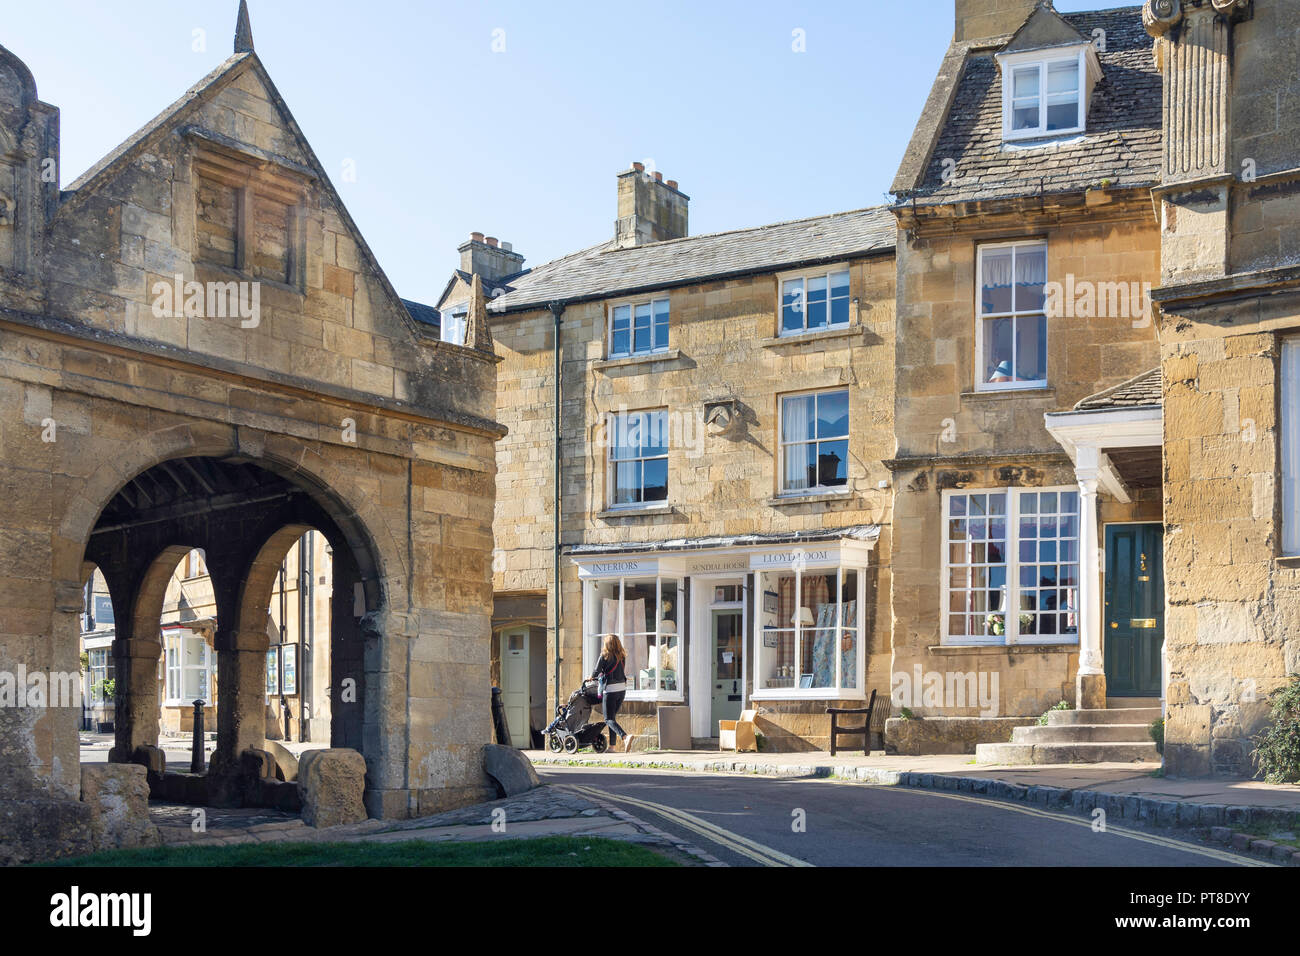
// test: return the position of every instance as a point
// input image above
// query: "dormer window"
(1045, 98)
(1046, 92)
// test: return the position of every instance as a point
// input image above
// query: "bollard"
(196, 747)
(499, 718)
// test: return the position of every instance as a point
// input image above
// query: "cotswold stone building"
(724, 404)
(1065, 363)
(198, 350)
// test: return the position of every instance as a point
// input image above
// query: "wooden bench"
(877, 712)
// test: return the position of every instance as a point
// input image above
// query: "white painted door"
(514, 685)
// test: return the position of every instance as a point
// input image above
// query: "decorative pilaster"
(1194, 51)
(1090, 684)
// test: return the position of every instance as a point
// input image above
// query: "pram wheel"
(554, 743)
(599, 744)
(570, 744)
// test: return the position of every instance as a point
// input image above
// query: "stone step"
(1119, 703)
(1120, 715)
(1022, 754)
(1082, 733)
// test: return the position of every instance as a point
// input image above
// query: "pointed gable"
(1045, 28)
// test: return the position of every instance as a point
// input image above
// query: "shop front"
(760, 622)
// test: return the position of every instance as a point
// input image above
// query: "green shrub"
(906, 713)
(1277, 749)
(1042, 721)
(1157, 732)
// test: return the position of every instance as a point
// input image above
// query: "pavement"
(938, 771)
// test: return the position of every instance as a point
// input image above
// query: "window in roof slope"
(1046, 92)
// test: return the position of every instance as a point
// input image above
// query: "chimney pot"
(491, 241)
(476, 237)
(639, 167)
(659, 177)
(672, 184)
(508, 247)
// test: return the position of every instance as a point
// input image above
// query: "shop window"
(643, 612)
(99, 672)
(1011, 566)
(809, 632)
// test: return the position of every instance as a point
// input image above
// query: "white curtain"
(794, 428)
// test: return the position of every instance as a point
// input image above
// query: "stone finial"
(243, 30)
(1160, 16)
(478, 334)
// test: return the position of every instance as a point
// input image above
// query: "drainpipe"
(557, 311)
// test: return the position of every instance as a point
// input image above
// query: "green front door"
(1134, 621)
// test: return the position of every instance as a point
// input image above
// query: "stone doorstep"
(1123, 806)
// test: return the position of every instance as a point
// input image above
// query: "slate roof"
(426, 314)
(1121, 142)
(604, 270)
(1141, 391)
(860, 532)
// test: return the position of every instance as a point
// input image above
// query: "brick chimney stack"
(484, 256)
(649, 209)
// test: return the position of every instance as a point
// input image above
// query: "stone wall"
(1233, 599)
(951, 436)
(723, 345)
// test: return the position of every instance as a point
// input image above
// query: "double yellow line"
(764, 855)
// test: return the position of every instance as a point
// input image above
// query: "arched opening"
(246, 585)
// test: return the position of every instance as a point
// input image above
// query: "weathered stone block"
(118, 797)
(331, 785)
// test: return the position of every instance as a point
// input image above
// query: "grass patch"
(542, 851)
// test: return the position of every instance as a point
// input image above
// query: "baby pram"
(570, 729)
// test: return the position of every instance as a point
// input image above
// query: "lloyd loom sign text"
(786, 559)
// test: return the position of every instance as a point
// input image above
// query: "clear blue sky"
(449, 137)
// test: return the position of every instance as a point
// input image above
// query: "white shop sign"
(805, 557)
(619, 568)
(718, 564)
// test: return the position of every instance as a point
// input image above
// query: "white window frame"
(1042, 60)
(592, 631)
(1015, 315)
(454, 317)
(804, 277)
(818, 489)
(612, 463)
(97, 673)
(1289, 408)
(836, 692)
(631, 305)
(173, 665)
(1011, 635)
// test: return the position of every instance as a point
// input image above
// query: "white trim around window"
(813, 437)
(643, 611)
(1289, 408)
(1011, 335)
(814, 301)
(1004, 548)
(1043, 85)
(636, 469)
(637, 327)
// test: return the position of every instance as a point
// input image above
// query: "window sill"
(814, 336)
(649, 510)
(816, 497)
(1022, 647)
(807, 693)
(669, 355)
(1033, 391)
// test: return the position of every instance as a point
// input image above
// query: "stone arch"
(357, 515)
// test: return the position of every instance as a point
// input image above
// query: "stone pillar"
(1090, 684)
(241, 710)
(135, 662)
